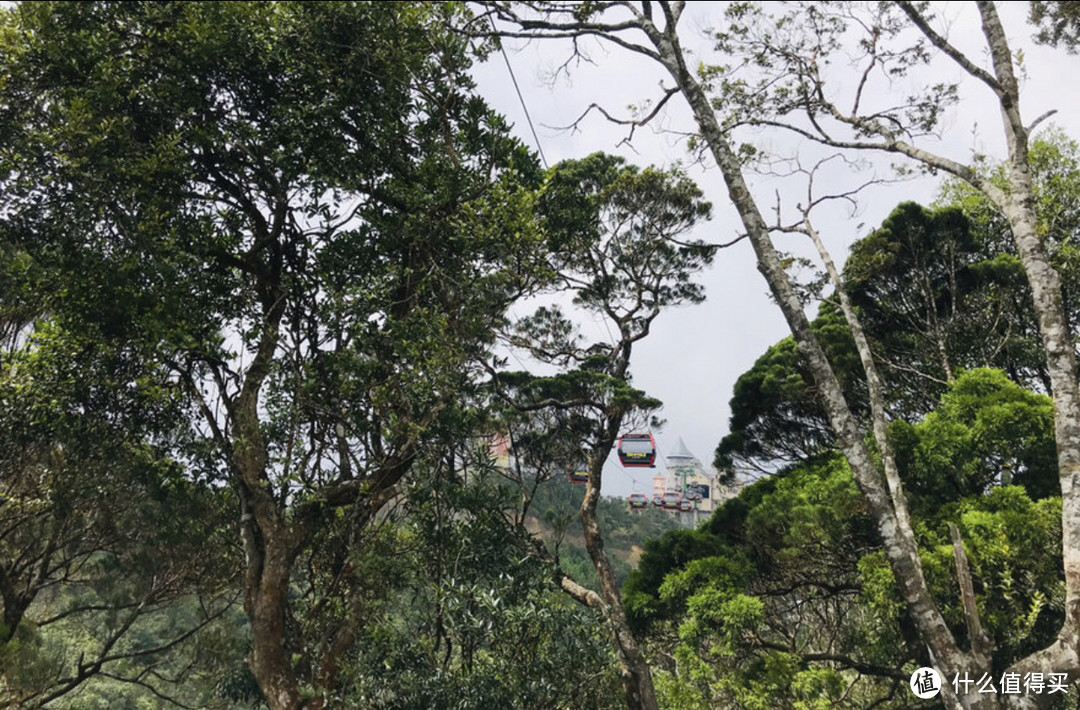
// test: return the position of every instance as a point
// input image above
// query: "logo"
(925, 683)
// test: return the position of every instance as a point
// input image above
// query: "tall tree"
(786, 598)
(613, 229)
(937, 290)
(301, 216)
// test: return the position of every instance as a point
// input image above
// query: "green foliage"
(775, 414)
(910, 280)
(556, 506)
(787, 597)
(1014, 545)
(634, 214)
(644, 588)
(297, 226)
(104, 551)
(937, 290)
(1001, 289)
(616, 236)
(986, 431)
(456, 617)
(1058, 23)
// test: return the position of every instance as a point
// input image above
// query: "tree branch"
(980, 642)
(943, 44)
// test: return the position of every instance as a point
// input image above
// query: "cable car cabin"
(638, 501)
(685, 506)
(637, 450)
(579, 475)
(671, 500)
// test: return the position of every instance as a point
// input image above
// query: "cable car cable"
(521, 98)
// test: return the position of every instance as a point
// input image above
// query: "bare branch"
(634, 123)
(943, 44)
(721, 245)
(980, 642)
(1040, 119)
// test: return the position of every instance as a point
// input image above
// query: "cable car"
(671, 500)
(685, 506)
(638, 501)
(579, 474)
(637, 450)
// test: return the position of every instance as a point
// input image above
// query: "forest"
(276, 281)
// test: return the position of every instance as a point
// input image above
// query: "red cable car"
(638, 501)
(579, 474)
(671, 501)
(637, 451)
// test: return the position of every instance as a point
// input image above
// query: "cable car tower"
(687, 476)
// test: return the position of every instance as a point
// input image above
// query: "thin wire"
(521, 98)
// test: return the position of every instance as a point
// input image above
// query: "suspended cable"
(521, 98)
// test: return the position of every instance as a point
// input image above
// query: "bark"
(269, 543)
(1019, 208)
(15, 606)
(873, 380)
(266, 606)
(980, 642)
(981, 646)
(1017, 203)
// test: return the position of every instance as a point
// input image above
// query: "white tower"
(686, 475)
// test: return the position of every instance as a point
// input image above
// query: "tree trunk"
(896, 534)
(269, 542)
(1019, 209)
(873, 380)
(1017, 204)
(266, 608)
(634, 672)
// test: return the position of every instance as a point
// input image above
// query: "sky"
(695, 354)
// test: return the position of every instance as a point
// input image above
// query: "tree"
(613, 231)
(1058, 23)
(101, 532)
(1055, 171)
(937, 290)
(776, 418)
(786, 56)
(302, 219)
(932, 249)
(455, 616)
(804, 96)
(985, 433)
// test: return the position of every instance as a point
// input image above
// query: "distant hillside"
(555, 517)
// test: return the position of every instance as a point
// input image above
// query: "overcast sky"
(695, 354)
